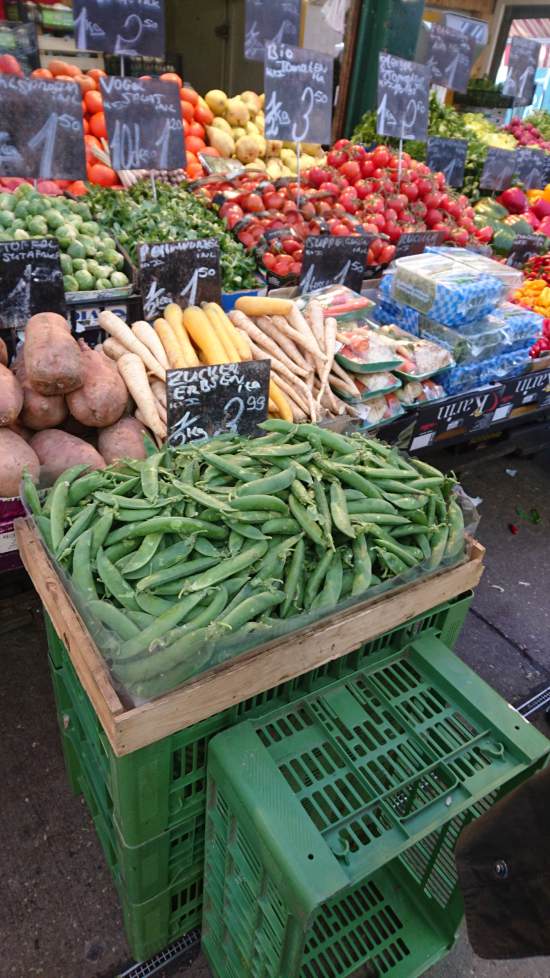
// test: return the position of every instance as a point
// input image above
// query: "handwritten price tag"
(403, 90)
(298, 94)
(267, 22)
(144, 125)
(124, 27)
(186, 272)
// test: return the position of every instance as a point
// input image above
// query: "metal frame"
(532, 12)
(186, 945)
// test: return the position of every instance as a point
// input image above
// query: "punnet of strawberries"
(358, 192)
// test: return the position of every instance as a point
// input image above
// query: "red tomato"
(367, 167)
(102, 175)
(85, 126)
(268, 260)
(77, 188)
(316, 176)
(194, 171)
(336, 157)
(433, 216)
(339, 229)
(97, 73)
(282, 265)
(273, 200)
(97, 124)
(295, 268)
(351, 170)
(381, 157)
(253, 203)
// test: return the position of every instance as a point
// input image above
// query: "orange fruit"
(170, 76)
(189, 94)
(97, 125)
(93, 102)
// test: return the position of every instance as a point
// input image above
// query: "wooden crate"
(129, 728)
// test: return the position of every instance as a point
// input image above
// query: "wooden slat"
(249, 674)
(284, 659)
(85, 656)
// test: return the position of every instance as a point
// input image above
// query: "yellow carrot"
(225, 339)
(198, 326)
(280, 400)
(168, 339)
(173, 315)
(239, 341)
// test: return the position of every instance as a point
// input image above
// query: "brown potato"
(53, 360)
(38, 411)
(57, 451)
(124, 439)
(15, 457)
(11, 396)
(103, 397)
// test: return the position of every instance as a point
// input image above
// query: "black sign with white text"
(268, 22)
(403, 91)
(207, 401)
(298, 94)
(524, 247)
(41, 129)
(532, 168)
(415, 242)
(124, 27)
(144, 124)
(472, 411)
(450, 57)
(522, 66)
(186, 272)
(334, 260)
(31, 280)
(499, 169)
(449, 157)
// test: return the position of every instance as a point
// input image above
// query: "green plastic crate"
(341, 810)
(151, 787)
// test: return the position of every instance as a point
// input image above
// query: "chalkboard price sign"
(403, 91)
(186, 272)
(298, 94)
(524, 247)
(449, 157)
(31, 280)
(207, 401)
(267, 22)
(499, 169)
(476, 29)
(415, 242)
(41, 132)
(522, 66)
(328, 259)
(532, 168)
(450, 57)
(144, 125)
(124, 27)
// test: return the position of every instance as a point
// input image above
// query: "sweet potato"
(38, 411)
(3, 353)
(124, 439)
(15, 456)
(11, 396)
(53, 360)
(57, 451)
(103, 397)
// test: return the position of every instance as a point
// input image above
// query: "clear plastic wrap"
(508, 329)
(444, 289)
(343, 304)
(387, 312)
(422, 358)
(511, 277)
(170, 595)
(419, 392)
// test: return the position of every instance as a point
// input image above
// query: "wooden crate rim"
(249, 674)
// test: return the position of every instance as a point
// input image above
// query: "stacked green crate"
(149, 806)
(331, 822)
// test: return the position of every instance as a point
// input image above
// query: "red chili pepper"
(513, 528)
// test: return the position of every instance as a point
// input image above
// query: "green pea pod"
(210, 613)
(362, 566)
(44, 525)
(438, 544)
(58, 508)
(278, 425)
(112, 499)
(302, 473)
(272, 564)
(260, 502)
(100, 532)
(174, 553)
(205, 548)
(332, 588)
(269, 485)
(316, 578)
(30, 494)
(159, 673)
(237, 472)
(308, 525)
(273, 451)
(227, 568)
(249, 531)
(323, 508)
(82, 577)
(140, 618)
(80, 524)
(409, 530)
(280, 526)
(405, 502)
(131, 515)
(455, 541)
(251, 608)
(339, 510)
(252, 516)
(114, 582)
(424, 545)
(69, 476)
(382, 519)
(387, 472)
(391, 561)
(115, 619)
(234, 584)
(364, 505)
(236, 542)
(430, 482)
(293, 577)
(166, 621)
(126, 487)
(409, 555)
(120, 549)
(150, 476)
(145, 552)
(176, 572)
(425, 469)
(329, 439)
(200, 497)
(351, 478)
(166, 524)
(152, 604)
(85, 486)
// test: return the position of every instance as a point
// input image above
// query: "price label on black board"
(449, 157)
(477, 29)
(144, 124)
(186, 272)
(31, 280)
(331, 260)
(499, 169)
(532, 168)
(450, 57)
(531, 388)
(403, 91)
(267, 22)
(524, 247)
(124, 27)
(415, 242)
(20, 41)
(472, 411)
(41, 131)
(207, 401)
(298, 94)
(522, 66)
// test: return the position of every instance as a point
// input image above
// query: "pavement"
(59, 916)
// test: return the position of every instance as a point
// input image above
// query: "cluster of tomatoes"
(194, 111)
(357, 193)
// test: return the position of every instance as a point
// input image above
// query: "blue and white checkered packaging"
(465, 377)
(510, 276)
(445, 290)
(509, 328)
(389, 312)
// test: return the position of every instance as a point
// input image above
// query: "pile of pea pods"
(175, 558)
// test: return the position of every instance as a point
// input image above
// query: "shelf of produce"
(252, 673)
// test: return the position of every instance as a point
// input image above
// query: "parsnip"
(132, 371)
(331, 327)
(113, 349)
(310, 340)
(147, 335)
(122, 332)
(261, 339)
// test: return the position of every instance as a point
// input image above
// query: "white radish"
(122, 332)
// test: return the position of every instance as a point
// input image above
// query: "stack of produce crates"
(331, 822)
(149, 806)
